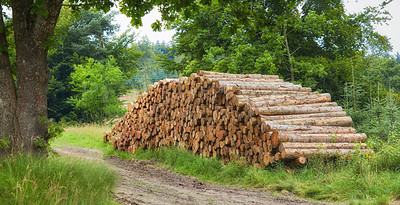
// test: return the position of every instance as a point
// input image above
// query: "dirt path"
(143, 183)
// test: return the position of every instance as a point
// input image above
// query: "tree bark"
(29, 105)
(289, 55)
(8, 95)
(316, 121)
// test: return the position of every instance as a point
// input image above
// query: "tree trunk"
(8, 98)
(28, 105)
(289, 55)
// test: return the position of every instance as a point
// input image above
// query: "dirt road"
(143, 183)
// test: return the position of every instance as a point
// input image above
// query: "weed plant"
(26, 179)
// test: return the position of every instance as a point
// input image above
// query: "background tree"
(98, 87)
(85, 34)
(314, 43)
(149, 70)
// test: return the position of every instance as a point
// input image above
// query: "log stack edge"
(260, 118)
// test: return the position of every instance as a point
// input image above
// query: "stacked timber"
(259, 118)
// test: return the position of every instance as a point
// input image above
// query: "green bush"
(387, 152)
(98, 87)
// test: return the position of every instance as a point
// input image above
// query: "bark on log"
(298, 145)
(299, 116)
(307, 138)
(317, 121)
(305, 129)
(299, 109)
(289, 154)
(289, 100)
(298, 162)
(259, 93)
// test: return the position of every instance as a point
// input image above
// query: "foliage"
(86, 34)
(98, 87)
(388, 151)
(372, 100)
(26, 179)
(314, 43)
(148, 69)
(4, 143)
(54, 130)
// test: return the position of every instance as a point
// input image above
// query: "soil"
(141, 182)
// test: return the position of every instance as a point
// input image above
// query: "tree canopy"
(315, 43)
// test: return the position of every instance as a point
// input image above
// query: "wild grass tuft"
(26, 179)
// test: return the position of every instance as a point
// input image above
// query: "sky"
(391, 29)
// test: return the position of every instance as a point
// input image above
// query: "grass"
(90, 136)
(26, 179)
(362, 180)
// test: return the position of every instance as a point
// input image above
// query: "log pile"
(260, 118)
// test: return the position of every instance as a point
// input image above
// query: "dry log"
(289, 154)
(299, 109)
(299, 145)
(299, 116)
(259, 93)
(305, 129)
(316, 121)
(298, 162)
(289, 100)
(307, 138)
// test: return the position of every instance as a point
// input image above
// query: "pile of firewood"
(260, 118)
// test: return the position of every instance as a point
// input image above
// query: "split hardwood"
(259, 118)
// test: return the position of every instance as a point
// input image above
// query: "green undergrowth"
(27, 179)
(363, 179)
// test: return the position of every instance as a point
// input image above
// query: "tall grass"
(26, 179)
(358, 180)
(372, 179)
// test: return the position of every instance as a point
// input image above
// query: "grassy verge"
(362, 180)
(26, 179)
(90, 136)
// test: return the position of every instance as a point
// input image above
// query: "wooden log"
(289, 100)
(299, 145)
(298, 162)
(266, 86)
(306, 129)
(331, 137)
(317, 121)
(288, 154)
(273, 96)
(311, 115)
(299, 109)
